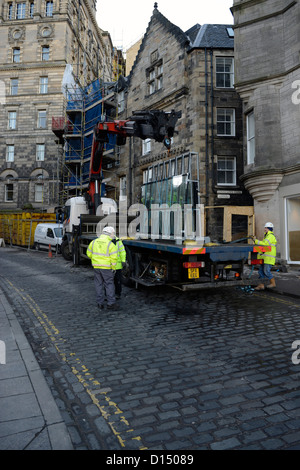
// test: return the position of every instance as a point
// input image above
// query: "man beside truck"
(104, 256)
(269, 257)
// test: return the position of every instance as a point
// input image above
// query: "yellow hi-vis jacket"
(121, 253)
(269, 257)
(103, 253)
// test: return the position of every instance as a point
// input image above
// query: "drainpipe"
(212, 121)
(206, 133)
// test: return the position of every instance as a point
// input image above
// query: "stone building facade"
(193, 73)
(38, 39)
(267, 44)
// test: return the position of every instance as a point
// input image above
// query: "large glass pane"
(293, 227)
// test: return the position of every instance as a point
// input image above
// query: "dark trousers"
(104, 280)
(118, 282)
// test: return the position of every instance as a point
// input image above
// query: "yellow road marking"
(275, 299)
(83, 375)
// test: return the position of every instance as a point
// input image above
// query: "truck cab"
(74, 209)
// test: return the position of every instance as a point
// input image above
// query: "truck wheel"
(36, 246)
(65, 251)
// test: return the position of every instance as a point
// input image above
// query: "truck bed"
(221, 252)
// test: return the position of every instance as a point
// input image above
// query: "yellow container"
(18, 228)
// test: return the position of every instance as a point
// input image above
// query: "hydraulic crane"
(155, 124)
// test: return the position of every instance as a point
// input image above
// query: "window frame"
(223, 73)
(38, 191)
(40, 152)
(42, 119)
(123, 188)
(232, 122)
(10, 12)
(14, 86)
(250, 138)
(10, 153)
(16, 55)
(44, 85)
(227, 171)
(20, 11)
(8, 188)
(49, 9)
(12, 120)
(146, 146)
(154, 77)
(45, 53)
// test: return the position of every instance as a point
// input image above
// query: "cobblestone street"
(169, 370)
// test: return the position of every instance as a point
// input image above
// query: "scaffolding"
(84, 107)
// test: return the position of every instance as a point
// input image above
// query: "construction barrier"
(18, 228)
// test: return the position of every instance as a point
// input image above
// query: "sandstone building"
(193, 73)
(267, 64)
(38, 39)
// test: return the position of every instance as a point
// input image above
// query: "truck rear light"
(194, 264)
(237, 275)
(257, 261)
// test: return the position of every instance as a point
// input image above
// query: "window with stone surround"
(123, 184)
(45, 53)
(226, 171)
(9, 189)
(146, 146)
(12, 120)
(49, 8)
(224, 72)
(154, 74)
(10, 11)
(43, 85)
(39, 190)
(226, 122)
(10, 153)
(42, 119)
(14, 86)
(16, 56)
(250, 120)
(20, 11)
(40, 152)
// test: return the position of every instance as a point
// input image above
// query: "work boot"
(113, 307)
(260, 287)
(272, 283)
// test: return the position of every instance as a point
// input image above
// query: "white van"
(48, 234)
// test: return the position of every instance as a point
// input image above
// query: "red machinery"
(156, 124)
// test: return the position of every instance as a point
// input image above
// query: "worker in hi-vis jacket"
(269, 257)
(104, 255)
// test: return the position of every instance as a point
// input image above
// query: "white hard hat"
(269, 225)
(109, 231)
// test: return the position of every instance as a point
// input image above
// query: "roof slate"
(213, 36)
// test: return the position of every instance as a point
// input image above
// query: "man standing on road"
(120, 263)
(104, 254)
(269, 257)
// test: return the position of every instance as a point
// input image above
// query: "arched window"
(9, 189)
(39, 189)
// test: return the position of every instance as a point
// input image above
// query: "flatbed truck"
(157, 253)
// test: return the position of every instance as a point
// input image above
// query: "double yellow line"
(110, 411)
